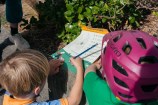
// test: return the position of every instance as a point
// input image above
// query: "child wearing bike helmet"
(129, 61)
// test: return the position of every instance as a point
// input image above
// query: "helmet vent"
(117, 38)
(149, 88)
(118, 68)
(148, 60)
(141, 42)
(124, 95)
(104, 50)
(120, 82)
(156, 44)
(127, 48)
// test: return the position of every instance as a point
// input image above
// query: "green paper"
(67, 63)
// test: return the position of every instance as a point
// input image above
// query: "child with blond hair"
(24, 73)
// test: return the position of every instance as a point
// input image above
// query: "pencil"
(86, 50)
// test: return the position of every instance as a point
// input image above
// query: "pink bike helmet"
(130, 65)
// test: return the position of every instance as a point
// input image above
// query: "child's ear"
(37, 90)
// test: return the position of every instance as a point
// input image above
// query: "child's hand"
(98, 64)
(54, 66)
(93, 67)
(77, 62)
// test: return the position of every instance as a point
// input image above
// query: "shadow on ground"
(57, 84)
(60, 85)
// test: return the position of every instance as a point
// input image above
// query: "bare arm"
(75, 95)
(93, 67)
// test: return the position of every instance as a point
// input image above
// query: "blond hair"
(22, 71)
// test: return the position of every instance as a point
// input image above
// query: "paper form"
(85, 40)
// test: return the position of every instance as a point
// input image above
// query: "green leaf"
(122, 2)
(88, 10)
(91, 7)
(80, 17)
(135, 14)
(69, 19)
(137, 24)
(101, 3)
(68, 27)
(95, 10)
(155, 13)
(106, 7)
(68, 13)
(104, 20)
(95, 19)
(131, 19)
(69, 6)
(80, 9)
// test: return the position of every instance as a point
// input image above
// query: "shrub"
(68, 15)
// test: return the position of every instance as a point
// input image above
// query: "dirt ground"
(44, 41)
(151, 25)
(60, 85)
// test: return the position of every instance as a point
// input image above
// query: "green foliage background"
(68, 15)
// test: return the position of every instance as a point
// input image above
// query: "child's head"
(24, 72)
(130, 63)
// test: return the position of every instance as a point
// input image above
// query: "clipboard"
(88, 37)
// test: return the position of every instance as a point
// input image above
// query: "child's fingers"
(99, 67)
(56, 61)
(77, 62)
(72, 60)
(98, 64)
(98, 60)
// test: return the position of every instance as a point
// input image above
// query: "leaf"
(68, 13)
(80, 17)
(88, 10)
(69, 19)
(80, 9)
(69, 6)
(131, 19)
(101, 3)
(155, 13)
(95, 19)
(68, 27)
(95, 10)
(106, 7)
(91, 7)
(137, 24)
(104, 20)
(122, 2)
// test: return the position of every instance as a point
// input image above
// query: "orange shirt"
(8, 100)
